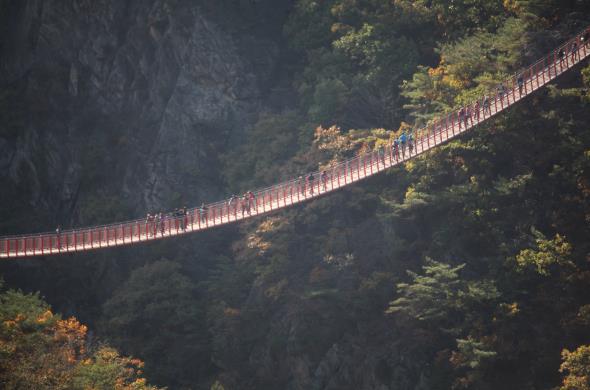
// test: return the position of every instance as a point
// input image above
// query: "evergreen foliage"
(158, 302)
(342, 292)
(439, 294)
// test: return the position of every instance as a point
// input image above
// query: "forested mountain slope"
(466, 268)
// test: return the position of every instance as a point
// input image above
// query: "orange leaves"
(512, 5)
(107, 369)
(40, 350)
(446, 76)
(436, 72)
(231, 312)
(340, 145)
(576, 367)
(45, 317)
(331, 139)
(69, 336)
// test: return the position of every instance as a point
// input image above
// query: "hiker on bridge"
(486, 106)
(203, 212)
(501, 92)
(476, 110)
(245, 203)
(574, 50)
(561, 55)
(163, 219)
(233, 200)
(310, 179)
(324, 179)
(403, 139)
(176, 216)
(520, 82)
(58, 236)
(251, 200)
(149, 225)
(396, 148)
(462, 117)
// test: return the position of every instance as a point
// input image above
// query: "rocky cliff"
(127, 102)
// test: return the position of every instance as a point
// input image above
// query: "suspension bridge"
(313, 184)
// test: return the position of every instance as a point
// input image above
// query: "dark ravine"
(114, 108)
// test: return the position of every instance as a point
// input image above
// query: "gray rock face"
(146, 94)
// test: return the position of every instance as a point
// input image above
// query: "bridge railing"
(299, 189)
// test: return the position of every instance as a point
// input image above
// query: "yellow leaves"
(509, 309)
(331, 139)
(7, 347)
(69, 336)
(453, 82)
(9, 323)
(70, 332)
(269, 225)
(447, 76)
(512, 6)
(119, 384)
(410, 192)
(137, 362)
(340, 28)
(404, 126)
(107, 369)
(257, 241)
(583, 316)
(231, 312)
(217, 386)
(46, 316)
(576, 367)
(360, 141)
(14, 322)
(275, 291)
(40, 350)
(436, 72)
(50, 351)
(513, 308)
(548, 253)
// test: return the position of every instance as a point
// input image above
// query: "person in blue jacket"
(403, 139)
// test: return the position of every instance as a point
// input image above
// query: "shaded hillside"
(466, 268)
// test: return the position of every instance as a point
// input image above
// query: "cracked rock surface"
(143, 96)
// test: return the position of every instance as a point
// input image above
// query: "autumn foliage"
(40, 350)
